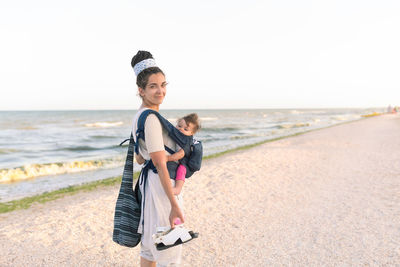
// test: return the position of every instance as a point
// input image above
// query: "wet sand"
(329, 197)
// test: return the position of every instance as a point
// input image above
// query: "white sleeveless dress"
(157, 206)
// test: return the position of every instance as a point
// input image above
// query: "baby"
(188, 125)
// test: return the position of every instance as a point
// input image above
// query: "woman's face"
(154, 93)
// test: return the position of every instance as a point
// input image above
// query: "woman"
(161, 206)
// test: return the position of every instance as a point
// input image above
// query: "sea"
(42, 151)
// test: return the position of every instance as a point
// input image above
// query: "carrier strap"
(148, 165)
(182, 140)
(169, 150)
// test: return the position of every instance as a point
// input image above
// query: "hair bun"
(140, 55)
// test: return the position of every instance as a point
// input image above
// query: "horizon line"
(190, 109)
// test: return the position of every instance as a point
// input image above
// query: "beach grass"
(372, 114)
(26, 202)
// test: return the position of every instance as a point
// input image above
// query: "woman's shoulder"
(136, 118)
(138, 113)
(151, 117)
(152, 121)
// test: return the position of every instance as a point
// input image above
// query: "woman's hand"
(176, 213)
(139, 159)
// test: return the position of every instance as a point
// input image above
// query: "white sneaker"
(165, 237)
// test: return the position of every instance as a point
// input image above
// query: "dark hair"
(193, 119)
(143, 77)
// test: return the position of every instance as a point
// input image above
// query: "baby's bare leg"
(178, 187)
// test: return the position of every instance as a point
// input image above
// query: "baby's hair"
(193, 119)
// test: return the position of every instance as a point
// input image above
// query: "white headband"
(144, 64)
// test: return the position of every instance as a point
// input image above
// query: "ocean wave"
(296, 112)
(104, 124)
(201, 119)
(234, 137)
(88, 148)
(341, 117)
(294, 125)
(27, 128)
(208, 118)
(35, 170)
(80, 148)
(211, 139)
(225, 129)
(317, 112)
(247, 136)
(8, 150)
(101, 136)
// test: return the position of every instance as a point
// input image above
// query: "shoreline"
(26, 202)
(94, 147)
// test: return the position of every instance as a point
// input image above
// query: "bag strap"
(125, 141)
(127, 176)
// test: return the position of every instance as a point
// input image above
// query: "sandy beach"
(328, 197)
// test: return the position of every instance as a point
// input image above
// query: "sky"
(61, 55)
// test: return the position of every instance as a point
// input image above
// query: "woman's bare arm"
(160, 162)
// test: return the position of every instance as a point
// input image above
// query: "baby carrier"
(129, 202)
(193, 149)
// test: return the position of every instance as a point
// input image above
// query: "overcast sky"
(216, 54)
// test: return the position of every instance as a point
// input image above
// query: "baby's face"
(184, 128)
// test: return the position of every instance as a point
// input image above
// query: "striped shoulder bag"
(128, 206)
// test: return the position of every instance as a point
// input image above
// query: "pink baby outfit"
(181, 173)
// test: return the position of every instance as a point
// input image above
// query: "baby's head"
(189, 124)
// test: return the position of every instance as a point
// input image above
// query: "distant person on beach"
(392, 110)
(161, 206)
(188, 125)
